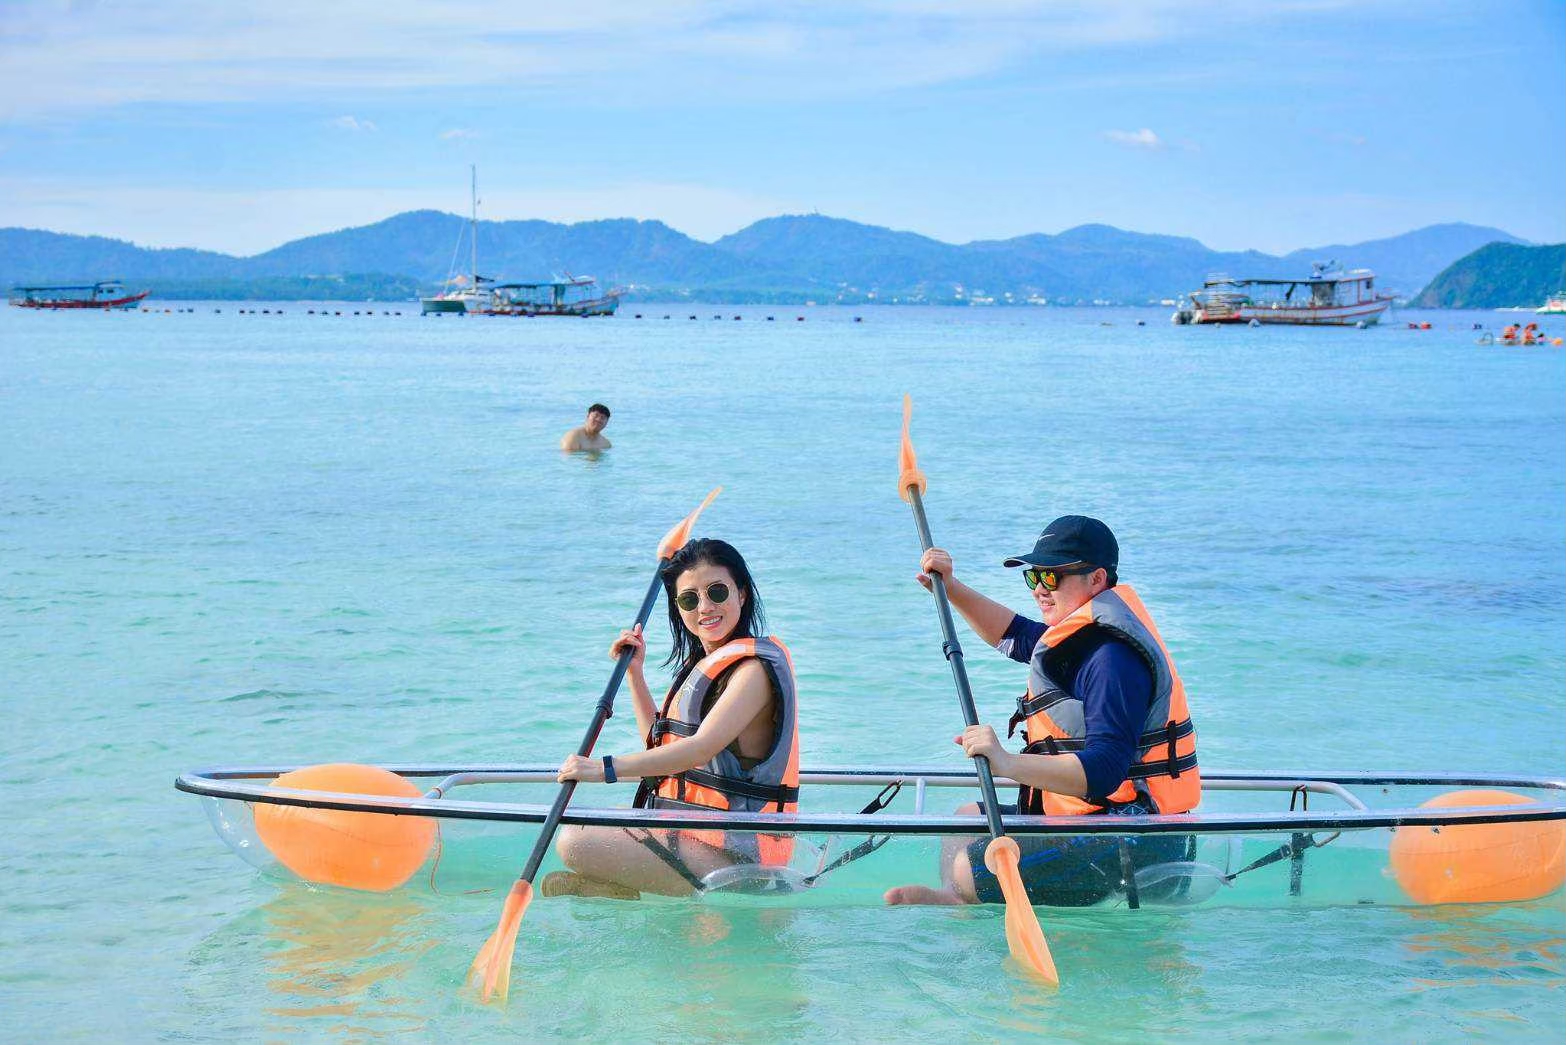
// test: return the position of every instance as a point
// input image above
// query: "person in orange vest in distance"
(1107, 728)
(1510, 333)
(726, 738)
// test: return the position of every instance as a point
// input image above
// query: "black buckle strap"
(782, 794)
(870, 844)
(884, 799)
(1169, 768)
(663, 726)
(1053, 746)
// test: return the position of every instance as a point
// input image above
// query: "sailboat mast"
(473, 226)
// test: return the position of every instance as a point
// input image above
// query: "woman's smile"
(718, 601)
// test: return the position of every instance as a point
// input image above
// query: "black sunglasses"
(1050, 578)
(717, 594)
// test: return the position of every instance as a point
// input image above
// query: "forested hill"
(792, 258)
(1498, 275)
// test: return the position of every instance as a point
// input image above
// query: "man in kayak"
(1107, 728)
(590, 435)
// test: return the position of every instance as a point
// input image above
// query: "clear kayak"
(1257, 839)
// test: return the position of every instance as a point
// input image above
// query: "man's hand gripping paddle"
(491, 970)
(1023, 934)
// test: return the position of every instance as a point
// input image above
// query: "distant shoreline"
(787, 261)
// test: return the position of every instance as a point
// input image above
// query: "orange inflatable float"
(370, 851)
(1479, 863)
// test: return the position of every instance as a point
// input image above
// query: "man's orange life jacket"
(1165, 768)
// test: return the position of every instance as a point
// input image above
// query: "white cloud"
(1142, 139)
(195, 51)
(1147, 140)
(351, 123)
(458, 134)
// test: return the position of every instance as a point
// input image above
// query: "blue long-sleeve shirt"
(1115, 686)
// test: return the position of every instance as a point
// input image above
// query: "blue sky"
(1273, 124)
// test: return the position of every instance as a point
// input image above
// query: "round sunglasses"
(717, 594)
(1034, 576)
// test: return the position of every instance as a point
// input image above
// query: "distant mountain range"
(1498, 275)
(786, 259)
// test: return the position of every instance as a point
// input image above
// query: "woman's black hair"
(708, 552)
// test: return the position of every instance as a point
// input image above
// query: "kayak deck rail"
(253, 784)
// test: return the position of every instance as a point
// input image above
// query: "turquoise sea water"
(283, 539)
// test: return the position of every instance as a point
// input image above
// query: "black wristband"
(609, 774)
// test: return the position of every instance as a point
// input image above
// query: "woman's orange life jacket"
(1165, 768)
(772, 785)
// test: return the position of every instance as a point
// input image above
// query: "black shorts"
(1075, 870)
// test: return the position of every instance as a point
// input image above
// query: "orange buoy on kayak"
(371, 851)
(1479, 863)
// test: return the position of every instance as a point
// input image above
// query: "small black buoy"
(736, 319)
(858, 319)
(693, 317)
(638, 315)
(799, 319)
(769, 319)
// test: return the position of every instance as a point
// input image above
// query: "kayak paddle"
(1023, 934)
(492, 968)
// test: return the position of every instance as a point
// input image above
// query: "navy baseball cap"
(1070, 540)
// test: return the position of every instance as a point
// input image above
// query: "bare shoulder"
(749, 672)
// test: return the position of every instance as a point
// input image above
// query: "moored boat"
(463, 293)
(461, 296)
(1327, 297)
(105, 294)
(572, 296)
(1258, 838)
(1555, 306)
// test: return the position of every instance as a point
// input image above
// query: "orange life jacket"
(772, 785)
(1165, 768)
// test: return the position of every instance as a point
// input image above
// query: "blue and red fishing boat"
(106, 294)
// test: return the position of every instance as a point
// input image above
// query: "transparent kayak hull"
(1258, 838)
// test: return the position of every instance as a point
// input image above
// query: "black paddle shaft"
(601, 714)
(953, 653)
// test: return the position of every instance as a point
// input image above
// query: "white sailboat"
(464, 293)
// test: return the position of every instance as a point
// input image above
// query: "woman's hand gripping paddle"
(1023, 934)
(491, 970)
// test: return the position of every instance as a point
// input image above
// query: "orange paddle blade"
(491, 970)
(675, 539)
(1023, 934)
(907, 464)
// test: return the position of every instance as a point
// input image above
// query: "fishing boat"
(571, 296)
(464, 293)
(106, 294)
(1327, 297)
(1258, 838)
(1555, 306)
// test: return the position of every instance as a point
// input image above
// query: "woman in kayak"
(725, 738)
